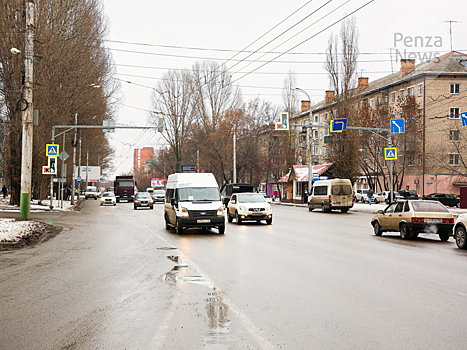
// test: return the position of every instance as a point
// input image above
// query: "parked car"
(448, 199)
(361, 195)
(143, 199)
(91, 192)
(413, 217)
(249, 207)
(108, 198)
(409, 194)
(395, 196)
(158, 196)
(460, 229)
(376, 198)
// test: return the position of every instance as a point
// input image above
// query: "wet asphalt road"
(309, 281)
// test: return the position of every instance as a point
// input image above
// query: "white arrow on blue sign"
(338, 125)
(397, 126)
(464, 118)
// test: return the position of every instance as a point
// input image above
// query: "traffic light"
(53, 165)
(160, 125)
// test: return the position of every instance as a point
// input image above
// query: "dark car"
(448, 199)
(409, 194)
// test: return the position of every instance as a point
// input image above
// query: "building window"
(326, 132)
(325, 116)
(420, 160)
(419, 135)
(393, 97)
(402, 94)
(316, 118)
(409, 160)
(454, 113)
(454, 159)
(410, 91)
(372, 103)
(455, 89)
(321, 135)
(315, 134)
(454, 135)
(315, 150)
(322, 120)
(420, 89)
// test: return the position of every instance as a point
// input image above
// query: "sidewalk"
(36, 207)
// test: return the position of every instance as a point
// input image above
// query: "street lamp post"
(310, 166)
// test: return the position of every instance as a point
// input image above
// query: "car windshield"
(159, 192)
(425, 206)
(125, 183)
(91, 189)
(108, 194)
(143, 195)
(339, 190)
(199, 194)
(251, 198)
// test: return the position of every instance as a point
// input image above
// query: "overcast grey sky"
(147, 38)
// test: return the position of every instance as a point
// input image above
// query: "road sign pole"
(391, 184)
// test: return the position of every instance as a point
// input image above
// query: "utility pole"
(74, 144)
(87, 168)
(234, 172)
(27, 114)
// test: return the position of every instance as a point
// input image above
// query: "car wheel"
(237, 218)
(221, 229)
(405, 232)
(269, 221)
(151, 207)
(95, 198)
(460, 237)
(229, 218)
(179, 228)
(167, 226)
(135, 207)
(443, 235)
(115, 204)
(377, 228)
(376, 201)
(310, 208)
(86, 198)
(102, 204)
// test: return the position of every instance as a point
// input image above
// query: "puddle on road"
(218, 333)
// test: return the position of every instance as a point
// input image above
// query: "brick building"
(141, 156)
(434, 157)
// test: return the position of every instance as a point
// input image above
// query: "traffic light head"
(53, 165)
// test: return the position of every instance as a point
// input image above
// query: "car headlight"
(185, 212)
(136, 201)
(220, 211)
(242, 208)
(268, 207)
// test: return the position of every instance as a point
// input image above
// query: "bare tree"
(172, 99)
(341, 64)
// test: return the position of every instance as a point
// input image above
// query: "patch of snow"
(12, 230)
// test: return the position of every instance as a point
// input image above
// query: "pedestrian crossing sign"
(51, 150)
(390, 153)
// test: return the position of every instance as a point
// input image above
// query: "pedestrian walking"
(370, 194)
(4, 191)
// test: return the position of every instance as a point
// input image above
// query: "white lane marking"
(161, 334)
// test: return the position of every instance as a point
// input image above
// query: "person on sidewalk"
(370, 194)
(4, 191)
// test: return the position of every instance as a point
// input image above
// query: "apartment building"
(435, 158)
(141, 156)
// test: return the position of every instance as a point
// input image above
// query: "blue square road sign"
(397, 126)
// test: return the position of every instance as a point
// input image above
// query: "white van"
(331, 194)
(193, 200)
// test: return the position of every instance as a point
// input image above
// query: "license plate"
(433, 221)
(203, 221)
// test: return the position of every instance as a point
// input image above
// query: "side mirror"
(380, 212)
(172, 202)
(233, 202)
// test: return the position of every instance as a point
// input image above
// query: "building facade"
(141, 156)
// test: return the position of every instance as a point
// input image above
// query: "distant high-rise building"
(140, 156)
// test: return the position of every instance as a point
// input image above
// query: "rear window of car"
(425, 206)
(341, 190)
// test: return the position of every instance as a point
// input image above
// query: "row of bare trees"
(202, 112)
(70, 63)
